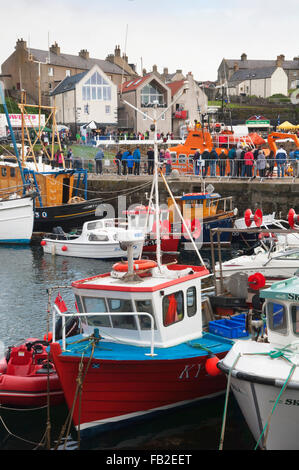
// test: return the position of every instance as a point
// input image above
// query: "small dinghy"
(27, 375)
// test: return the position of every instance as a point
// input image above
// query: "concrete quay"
(270, 195)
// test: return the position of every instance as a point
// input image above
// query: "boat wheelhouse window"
(79, 304)
(191, 301)
(94, 225)
(173, 157)
(145, 306)
(173, 308)
(290, 256)
(12, 172)
(182, 158)
(96, 304)
(94, 237)
(127, 322)
(277, 317)
(295, 319)
(3, 171)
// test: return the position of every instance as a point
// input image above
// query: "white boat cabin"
(172, 297)
(282, 311)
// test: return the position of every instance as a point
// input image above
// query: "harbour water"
(25, 275)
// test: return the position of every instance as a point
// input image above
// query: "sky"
(192, 35)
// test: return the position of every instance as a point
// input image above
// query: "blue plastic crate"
(241, 318)
(228, 328)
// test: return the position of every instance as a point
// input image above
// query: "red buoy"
(292, 218)
(257, 281)
(211, 366)
(257, 218)
(64, 248)
(43, 242)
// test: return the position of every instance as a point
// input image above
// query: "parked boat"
(28, 377)
(16, 219)
(145, 351)
(202, 211)
(263, 374)
(99, 239)
(274, 262)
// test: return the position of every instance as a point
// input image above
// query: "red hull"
(119, 390)
(167, 246)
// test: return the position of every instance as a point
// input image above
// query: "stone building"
(85, 97)
(143, 93)
(24, 67)
(262, 82)
(228, 67)
(190, 106)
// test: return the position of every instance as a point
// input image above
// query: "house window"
(151, 95)
(50, 71)
(108, 109)
(163, 117)
(145, 116)
(173, 308)
(67, 73)
(96, 88)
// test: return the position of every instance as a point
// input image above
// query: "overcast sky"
(192, 35)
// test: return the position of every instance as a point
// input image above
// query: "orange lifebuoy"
(139, 265)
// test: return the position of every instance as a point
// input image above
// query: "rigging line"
(125, 51)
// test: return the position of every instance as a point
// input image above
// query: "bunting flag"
(60, 303)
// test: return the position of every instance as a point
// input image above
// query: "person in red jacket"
(248, 161)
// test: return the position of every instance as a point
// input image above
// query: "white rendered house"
(87, 96)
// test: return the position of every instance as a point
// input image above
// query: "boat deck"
(108, 350)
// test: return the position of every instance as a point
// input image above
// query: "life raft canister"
(139, 265)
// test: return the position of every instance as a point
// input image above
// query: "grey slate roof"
(253, 64)
(75, 61)
(68, 83)
(252, 74)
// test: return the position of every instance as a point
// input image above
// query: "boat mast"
(2, 100)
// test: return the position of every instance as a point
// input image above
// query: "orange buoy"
(48, 336)
(139, 265)
(211, 366)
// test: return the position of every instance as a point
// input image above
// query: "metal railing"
(89, 314)
(209, 168)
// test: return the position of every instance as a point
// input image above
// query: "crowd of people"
(129, 162)
(243, 162)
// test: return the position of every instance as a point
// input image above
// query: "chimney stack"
(55, 48)
(165, 71)
(84, 54)
(243, 57)
(280, 60)
(155, 68)
(117, 51)
(21, 44)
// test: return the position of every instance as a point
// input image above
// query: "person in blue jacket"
(124, 161)
(130, 162)
(137, 158)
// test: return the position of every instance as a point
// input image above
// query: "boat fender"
(64, 248)
(211, 365)
(71, 327)
(43, 242)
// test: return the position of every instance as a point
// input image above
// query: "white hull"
(256, 402)
(257, 381)
(95, 250)
(16, 220)
(273, 272)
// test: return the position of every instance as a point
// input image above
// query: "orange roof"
(175, 86)
(131, 85)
